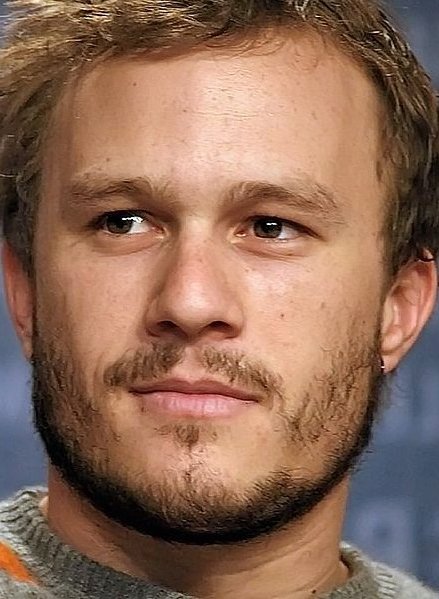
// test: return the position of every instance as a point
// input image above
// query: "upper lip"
(200, 387)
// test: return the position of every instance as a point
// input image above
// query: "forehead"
(209, 117)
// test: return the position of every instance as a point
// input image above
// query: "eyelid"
(287, 221)
(98, 221)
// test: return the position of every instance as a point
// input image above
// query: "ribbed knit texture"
(65, 574)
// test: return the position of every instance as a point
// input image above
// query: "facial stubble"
(193, 507)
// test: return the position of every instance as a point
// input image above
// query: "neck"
(300, 562)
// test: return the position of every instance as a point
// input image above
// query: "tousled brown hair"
(48, 41)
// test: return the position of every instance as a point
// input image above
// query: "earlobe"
(19, 297)
(407, 308)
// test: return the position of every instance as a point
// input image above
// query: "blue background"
(394, 507)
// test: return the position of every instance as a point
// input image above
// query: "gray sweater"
(62, 573)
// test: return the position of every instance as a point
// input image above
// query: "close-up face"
(208, 285)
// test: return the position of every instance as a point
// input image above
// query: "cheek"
(307, 316)
(95, 308)
(298, 299)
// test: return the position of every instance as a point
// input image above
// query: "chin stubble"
(194, 507)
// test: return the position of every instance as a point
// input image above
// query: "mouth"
(198, 399)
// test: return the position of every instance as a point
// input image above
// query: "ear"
(407, 308)
(19, 297)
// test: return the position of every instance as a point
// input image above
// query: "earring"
(383, 367)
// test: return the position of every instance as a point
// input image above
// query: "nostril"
(188, 330)
(168, 326)
(219, 325)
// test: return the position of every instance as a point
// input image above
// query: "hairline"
(262, 38)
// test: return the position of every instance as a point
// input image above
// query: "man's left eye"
(268, 227)
(124, 223)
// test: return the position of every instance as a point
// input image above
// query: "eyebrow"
(93, 189)
(301, 194)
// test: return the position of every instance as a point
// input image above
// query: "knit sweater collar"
(59, 566)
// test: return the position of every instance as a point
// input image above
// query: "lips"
(204, 387)
(200, 399)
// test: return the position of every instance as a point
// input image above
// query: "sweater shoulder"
(399, 584)
(15, 580)
(373, 579)
(11, 589)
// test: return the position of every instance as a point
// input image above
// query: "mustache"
(153, 363)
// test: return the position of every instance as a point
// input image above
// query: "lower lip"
(194, 405)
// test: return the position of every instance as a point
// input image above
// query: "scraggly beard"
(193, 507)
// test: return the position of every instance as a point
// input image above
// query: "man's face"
(210, 218)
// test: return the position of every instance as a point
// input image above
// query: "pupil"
(119, 223)
(268, 228)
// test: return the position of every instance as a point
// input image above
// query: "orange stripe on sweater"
(11, 564)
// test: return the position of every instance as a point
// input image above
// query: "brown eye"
(267, 227)
(124, 223)
(274, 228)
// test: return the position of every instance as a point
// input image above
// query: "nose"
(195, 295)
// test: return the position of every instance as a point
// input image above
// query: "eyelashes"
(122, 223)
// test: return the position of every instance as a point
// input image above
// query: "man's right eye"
(123, 222)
